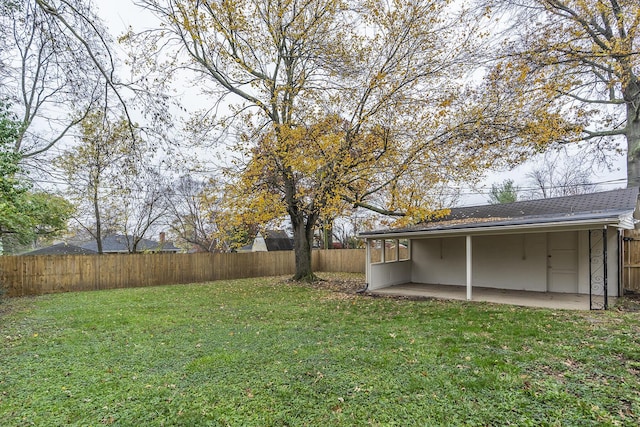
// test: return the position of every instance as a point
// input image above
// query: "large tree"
(566, 71)
(12, 187)
(337, 101)
(24, 215)
(111, 177)
(94, 169)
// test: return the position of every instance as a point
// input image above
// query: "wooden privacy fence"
(631, 261)
(36, 275)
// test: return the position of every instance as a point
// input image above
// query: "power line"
(450, 191)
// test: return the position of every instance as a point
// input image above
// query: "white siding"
(515, 261)
(612, 264)
(440, 261)
(511, 261)
(389, 274)
(583, 262)
(259, 245)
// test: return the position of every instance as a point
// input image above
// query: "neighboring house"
(272, 240)
(245, 249)
(117, 243)
(61, 249)
(569, 245)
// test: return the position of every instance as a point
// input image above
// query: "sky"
(120, 14)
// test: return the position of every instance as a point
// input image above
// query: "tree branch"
(46, 7)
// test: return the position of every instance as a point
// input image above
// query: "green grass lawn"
(267, 352)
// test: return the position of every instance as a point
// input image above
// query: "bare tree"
(91, 171)
(56, 67)
(193, 208)
(557, 175)
(144, 203)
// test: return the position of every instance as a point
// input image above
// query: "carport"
(538, 248)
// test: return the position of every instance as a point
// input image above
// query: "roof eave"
(624, 221)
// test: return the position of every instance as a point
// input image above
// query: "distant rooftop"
(61, 249)
(120, 244)
(277, 240)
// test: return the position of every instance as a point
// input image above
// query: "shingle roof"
(119, 244)
(614, 200)
(592, 206)
(277, 240)
(61, 249)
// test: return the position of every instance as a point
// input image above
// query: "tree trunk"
(96, 210)
(632, 132)
(302, 238)
(327, 233)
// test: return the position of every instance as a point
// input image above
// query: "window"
(390, 250)
(375, 251)
(403, 250)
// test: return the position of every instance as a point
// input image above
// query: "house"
(110, 245)
(272, 240)
(564, 245)
(119, 243)
(61, 249)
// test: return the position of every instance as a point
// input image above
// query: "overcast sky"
(120, 14)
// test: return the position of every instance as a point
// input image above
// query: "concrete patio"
(499, 296)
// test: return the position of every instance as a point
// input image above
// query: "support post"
(604, 265)
(598, 269)
(367, 263)
(590, 271)
(469, 264)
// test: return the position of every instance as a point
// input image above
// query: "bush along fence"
(36, 275)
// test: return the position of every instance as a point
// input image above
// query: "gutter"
(617, 221)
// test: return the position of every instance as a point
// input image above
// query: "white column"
(397, 250)
(367, 263)
(469, 263)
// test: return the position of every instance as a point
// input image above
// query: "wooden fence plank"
(631, 262)
(35, 275)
